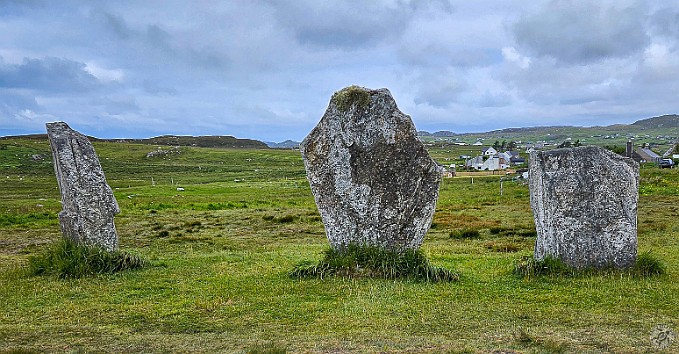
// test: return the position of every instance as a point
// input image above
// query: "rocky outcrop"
(373, 181)
(584, 202)
(87, 200)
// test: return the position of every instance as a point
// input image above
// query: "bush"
(67, 259)
(371, 261)
(464, 233)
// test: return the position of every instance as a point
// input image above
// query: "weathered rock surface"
(373, 181)
(87, 200)
(584, 202)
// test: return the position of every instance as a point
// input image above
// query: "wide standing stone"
(584, 202)
(373, 181)
(87, 200)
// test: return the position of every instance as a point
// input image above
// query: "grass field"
(221, 249)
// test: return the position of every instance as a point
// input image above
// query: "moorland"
(220, 252)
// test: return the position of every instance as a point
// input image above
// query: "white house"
(505, 155)
(495, 163)
(475, 163)
(478, 143)
(489, 151)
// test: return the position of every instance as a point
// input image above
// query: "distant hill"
(288, 144)
(438, 134)
(666, 121)
(661, 133)
(216, 141)
(443, 133)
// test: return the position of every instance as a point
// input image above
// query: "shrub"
(67, 259)
(464, 233)
(371, 261)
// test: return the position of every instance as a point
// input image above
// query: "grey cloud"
(156, 89)
(160, 45)
(117, 25)
(490, 99)
(12, 102)
(439, 89)
(47, 75)
(665, 22)
(546, 82)
(441, 55)
(577, 32)
(119, 105)
(344, 24)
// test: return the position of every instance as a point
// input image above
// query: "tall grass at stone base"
(646, 265)
(357, 261)
(68, 259)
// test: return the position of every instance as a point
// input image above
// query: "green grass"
(374, 262)
(67, 259)
(266, 349)
(646, 265)
(220, 276)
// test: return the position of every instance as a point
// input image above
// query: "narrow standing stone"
(87, 200)
(584, 202)
(373, 181)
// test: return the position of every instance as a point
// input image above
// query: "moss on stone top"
(352, 95)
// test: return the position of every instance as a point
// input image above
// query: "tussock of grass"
(645, 266)
(496, 230)
(465, 233)
(267, 349)
(370, 261)
(502, 246)
(648, 265)
(280, 220)
(20, 351)
(522, 232)
(67, 259)
(529, 267)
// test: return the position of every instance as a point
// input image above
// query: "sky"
(266, 69)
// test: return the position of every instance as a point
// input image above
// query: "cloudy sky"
(266, 69)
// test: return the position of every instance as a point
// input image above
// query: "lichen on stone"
(373, 181)
(349, 96)
(584, 203)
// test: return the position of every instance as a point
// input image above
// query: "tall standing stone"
(373, 181)
(584, 202)
(87, 200)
